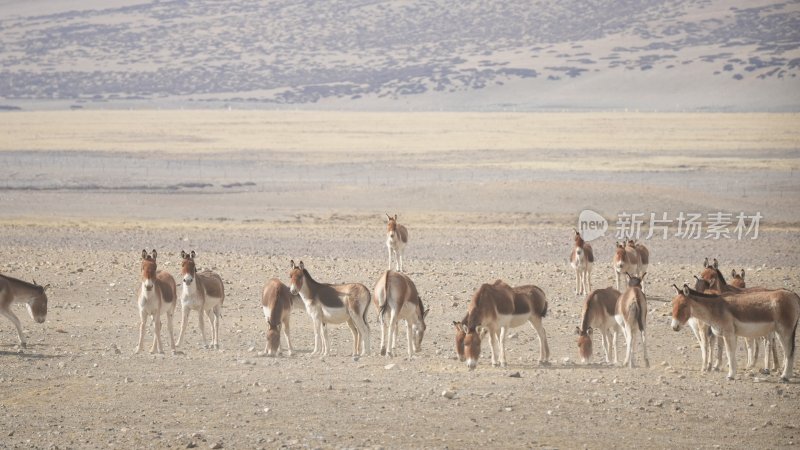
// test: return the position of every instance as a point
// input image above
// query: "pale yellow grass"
(604, 141)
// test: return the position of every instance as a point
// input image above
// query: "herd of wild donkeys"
(715, 310)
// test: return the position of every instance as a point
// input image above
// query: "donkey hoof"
(784, 380)
(23, 344)
(731, 378)
(765, 371)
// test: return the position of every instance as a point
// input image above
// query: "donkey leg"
(787, 342)
(501, 345)
(286, 333)
(356, 337)
(730, 352)
(400, 260)
(156, 334)
(217, 320)
(392, 332)
(409, 337)
(15, 320)
(202, 323)
(644, 349)
(389, 248)
(384, 333)
(629, 346)
(577, 281)
(544, 349)
(171, 331)
(142, 328)
(185, 316)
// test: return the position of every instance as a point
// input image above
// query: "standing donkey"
(156, 295)
(396, 240)
(332, 303)
(277, 303)
(204, 293)
(644, 257)
(631, 315)
(582, 259)
(626, 260)
(13, 290)
(396, 296)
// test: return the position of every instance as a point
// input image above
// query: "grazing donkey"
(631, 315)
(156, 296)
(496, 308)
(277, 302)
(599, 310)
(626, 260)
(581, 259)
(203, 292)
(12, 291)
(333, 303)
(751, 314)
(396, 240)
(396, 296)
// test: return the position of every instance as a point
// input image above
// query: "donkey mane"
(24, 283)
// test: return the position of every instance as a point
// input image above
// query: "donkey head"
(635, 281)
(148, 269)
(681, 307)
(273, 338)
(584, 343)
(297, 277)
(37, 305)
(391, 225)
(188, 268)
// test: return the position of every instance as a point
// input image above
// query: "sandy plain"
(485, 196)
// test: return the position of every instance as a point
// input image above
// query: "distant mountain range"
(395, 54)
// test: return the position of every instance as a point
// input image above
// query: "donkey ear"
(425, 314)
(301, 266)
(733, 273)
(388, 217)
(589, 331)
(716, 263)
(395, 217)
(642, 277)
(695, 277)
(192, 254)
(742, 274)
(686, 290)
(705, 263)
(291, 263)
(155, 254)
(677, 288)
(628, 275)
(578, 331)
(45, 287)
(464, 328)
(144, 254)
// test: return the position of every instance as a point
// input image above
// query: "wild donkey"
(396, 240)
(496, 308)
(12, 291)
(599, 310)
(748, 314)
(712, 281)
(396, 296)
(333, 303)
(631, 315)
(644, 258)
(626, 260)
(582, 259)
(204, 293)
(277, 302)
(156, 296)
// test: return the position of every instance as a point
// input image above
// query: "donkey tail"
(637, 310)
